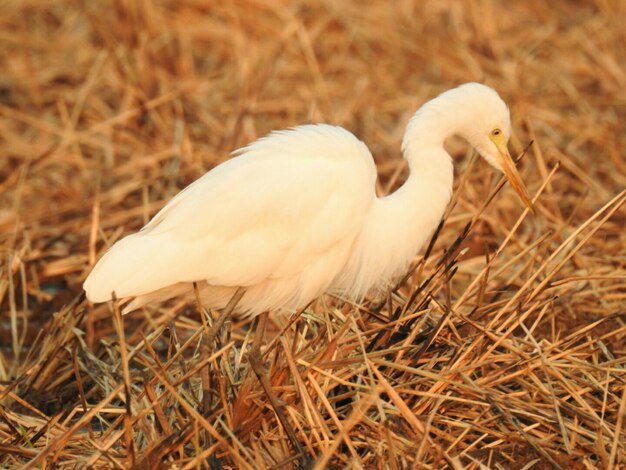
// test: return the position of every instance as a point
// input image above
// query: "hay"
(503, 348)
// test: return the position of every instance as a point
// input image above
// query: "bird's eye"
(496, 132)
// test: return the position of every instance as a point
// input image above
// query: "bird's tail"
(136, 265)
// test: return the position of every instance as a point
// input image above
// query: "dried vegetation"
(504, 348)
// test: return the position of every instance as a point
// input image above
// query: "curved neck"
(417, 206)
(408, 217)
(410, 214)
(431, 125)
(429, 186)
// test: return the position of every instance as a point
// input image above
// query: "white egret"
(295, 214)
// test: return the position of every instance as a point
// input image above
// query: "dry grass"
(507, 352)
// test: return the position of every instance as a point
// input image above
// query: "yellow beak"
(511, 173)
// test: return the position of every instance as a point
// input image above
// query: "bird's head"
(488, 130)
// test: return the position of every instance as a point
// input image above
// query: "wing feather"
(269, 213)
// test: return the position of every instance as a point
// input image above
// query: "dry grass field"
(504, 347)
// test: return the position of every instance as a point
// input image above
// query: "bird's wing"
(267, 213)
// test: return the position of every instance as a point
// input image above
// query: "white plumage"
(295, 214)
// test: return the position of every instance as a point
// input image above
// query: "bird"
(295, 214)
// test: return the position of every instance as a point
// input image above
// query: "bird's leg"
(256, 363)
(225, 315)
(212, 332)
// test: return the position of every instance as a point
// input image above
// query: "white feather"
(295, 214)
(281, 216)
